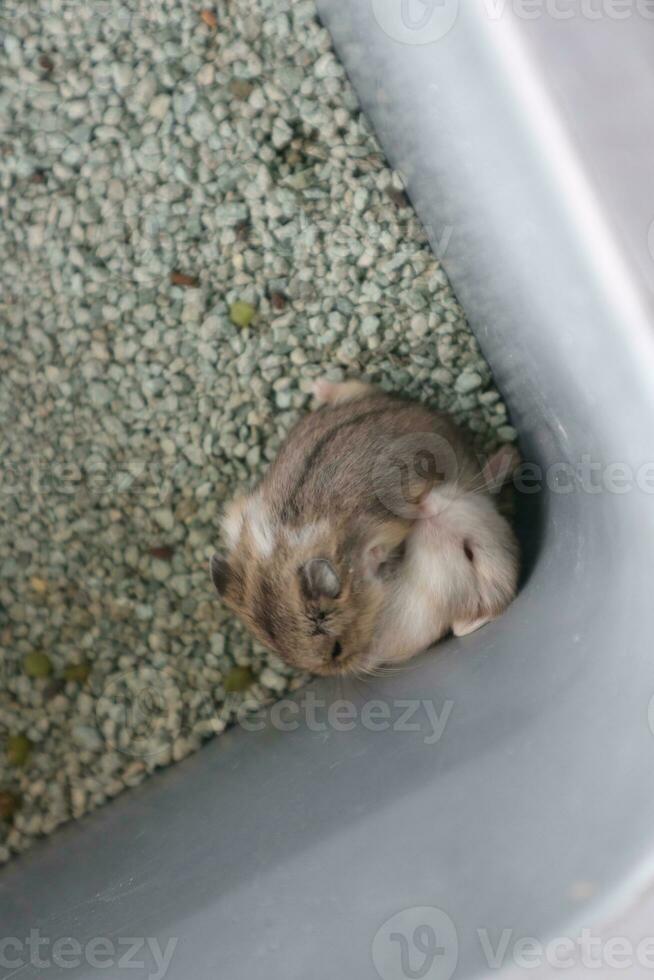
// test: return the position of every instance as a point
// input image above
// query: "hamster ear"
(320, 579)
(466, 627)
(219, 573)
(232, 520)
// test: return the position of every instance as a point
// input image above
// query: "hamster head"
(312, 593)
(472, 553)
(459, 571)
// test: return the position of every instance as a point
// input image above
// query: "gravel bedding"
(196, 222)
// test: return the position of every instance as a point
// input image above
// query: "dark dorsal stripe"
(290, 509)
(264, 606)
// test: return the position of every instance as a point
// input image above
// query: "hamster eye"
(337, 650)
(468, 551)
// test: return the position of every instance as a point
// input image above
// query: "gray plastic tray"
(528, 151)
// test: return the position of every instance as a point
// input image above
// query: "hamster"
(313, 558)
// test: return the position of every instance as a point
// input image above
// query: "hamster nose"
(337, 650)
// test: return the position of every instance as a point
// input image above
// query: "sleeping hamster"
(314, 557)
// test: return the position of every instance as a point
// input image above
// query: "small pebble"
(9, 804)
(164, 518)
(271, 679)
(87, 738)
(278, 301)
(161, 570)
(468, 381)
(209, 18)
(183, 279)
(159, 106)
(18, 749)
(239, 679)
(507, 433)
(163, 552)
(241, 313)
(37, 664)
(78, 673)
(240, 88)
